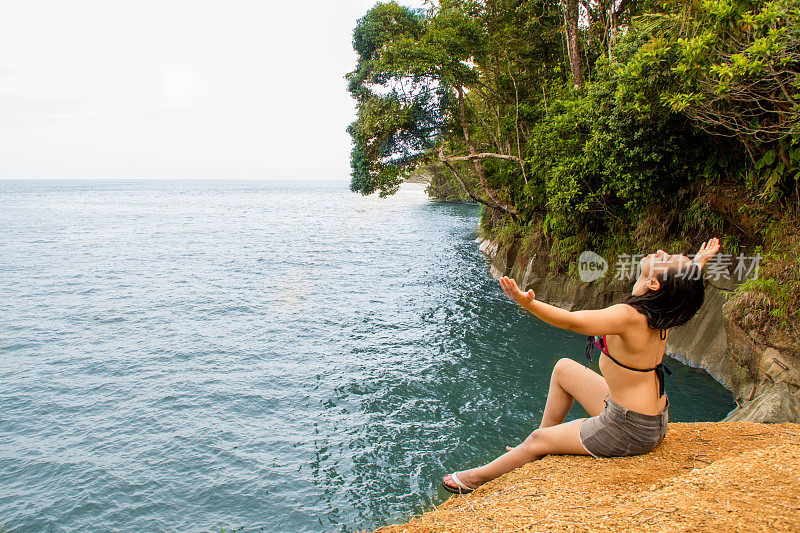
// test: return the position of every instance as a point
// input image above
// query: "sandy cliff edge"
(706, 476)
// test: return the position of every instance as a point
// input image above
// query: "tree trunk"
(571, 31)
(612, 28)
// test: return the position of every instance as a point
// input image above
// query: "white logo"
(591, 266)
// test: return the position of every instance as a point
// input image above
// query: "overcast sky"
(169, 89)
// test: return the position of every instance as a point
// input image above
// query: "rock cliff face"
(760, 368)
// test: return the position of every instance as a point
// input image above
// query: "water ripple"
(185, 356)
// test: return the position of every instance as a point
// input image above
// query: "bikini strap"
(660, 369)
(630, 367)
(599, 342)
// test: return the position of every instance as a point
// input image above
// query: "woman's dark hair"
(676, 301)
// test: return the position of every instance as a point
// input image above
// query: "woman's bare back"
(639, 347)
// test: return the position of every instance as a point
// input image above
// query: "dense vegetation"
(615, 126)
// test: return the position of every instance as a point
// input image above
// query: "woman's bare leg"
(560, 439)
(570, 381)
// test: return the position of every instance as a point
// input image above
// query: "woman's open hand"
(512, 291)
(706, 252)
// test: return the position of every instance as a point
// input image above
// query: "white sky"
(176, 89)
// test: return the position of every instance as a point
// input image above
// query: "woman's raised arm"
(612, 320)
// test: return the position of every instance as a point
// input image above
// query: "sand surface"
(724, 476)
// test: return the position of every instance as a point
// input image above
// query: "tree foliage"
(677, 97)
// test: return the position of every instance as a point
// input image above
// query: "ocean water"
(191, 356)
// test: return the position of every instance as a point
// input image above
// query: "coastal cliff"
(761, 367)
(723, 476)
(741, 474)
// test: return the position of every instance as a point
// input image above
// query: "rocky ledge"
(714, 476)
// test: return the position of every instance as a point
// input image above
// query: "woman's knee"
(531, 445)
(563, 366)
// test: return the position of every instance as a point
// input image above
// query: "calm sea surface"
(187, 356)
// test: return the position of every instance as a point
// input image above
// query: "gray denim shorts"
(618, 431)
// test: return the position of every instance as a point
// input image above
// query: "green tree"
(438, 77)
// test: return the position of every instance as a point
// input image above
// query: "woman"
(627, 403)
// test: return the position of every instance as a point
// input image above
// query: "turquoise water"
(185, 356)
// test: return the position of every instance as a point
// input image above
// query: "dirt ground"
(724, 476)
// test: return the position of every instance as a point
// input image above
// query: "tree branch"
(481, 155)
(464, 186)
(474, 156)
